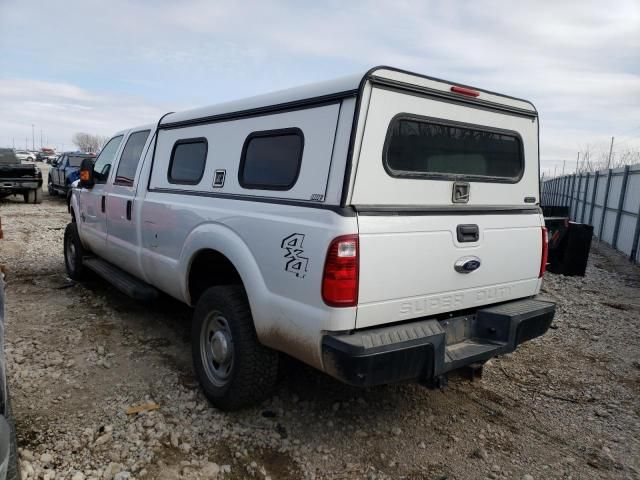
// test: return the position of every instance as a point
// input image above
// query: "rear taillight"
(340, 278)
(545, 252)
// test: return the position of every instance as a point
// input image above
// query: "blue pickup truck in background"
(64, 171)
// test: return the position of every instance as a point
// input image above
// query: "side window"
(102, 167)
(130, 158)
(271, 159)
(188, 159)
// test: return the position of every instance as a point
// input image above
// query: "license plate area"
(459, 329)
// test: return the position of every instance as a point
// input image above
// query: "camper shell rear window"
(422, 147)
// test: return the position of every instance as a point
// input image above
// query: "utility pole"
(554, 171)
(40, 139)
(577, 162)
(563, 164)
(26, 145)
(33, 137)
(13, 140)
(610, 152)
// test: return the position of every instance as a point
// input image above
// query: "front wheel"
(73, 252)
(235, 370)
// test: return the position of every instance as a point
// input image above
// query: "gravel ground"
(562, 406)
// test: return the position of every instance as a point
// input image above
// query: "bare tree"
(88, 142)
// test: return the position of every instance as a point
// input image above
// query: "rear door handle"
(104, 203)
(468, 233)
(128, 209)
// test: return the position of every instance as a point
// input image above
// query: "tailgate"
(407, 264)
(446, 192)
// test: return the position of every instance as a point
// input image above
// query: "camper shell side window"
(187, 162)
(437, 149)
(271, 159)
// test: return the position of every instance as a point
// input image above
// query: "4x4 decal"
(296, 263)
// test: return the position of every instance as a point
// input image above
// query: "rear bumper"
(8, 186)
(425, 349)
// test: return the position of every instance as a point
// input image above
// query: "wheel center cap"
(220, 347)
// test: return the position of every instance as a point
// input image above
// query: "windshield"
(7, 157)
(75, 161)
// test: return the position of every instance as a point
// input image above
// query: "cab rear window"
(419, 147)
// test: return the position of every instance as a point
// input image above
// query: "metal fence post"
(584, 199)
(573, 185)
(623, 194)
(636, 239)
(577, 212)
(604, 204)
(593, 196)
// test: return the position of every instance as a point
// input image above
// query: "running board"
(127, 284)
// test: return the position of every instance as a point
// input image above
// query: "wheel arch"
(218, 246)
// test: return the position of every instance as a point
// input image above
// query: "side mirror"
(86, 173)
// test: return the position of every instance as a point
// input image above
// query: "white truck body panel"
(374, 186)
(406, 226)
(407, 260)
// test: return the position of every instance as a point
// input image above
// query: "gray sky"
(103, 66)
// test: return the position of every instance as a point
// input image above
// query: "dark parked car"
(8, 445)
(65, 170)
(45, 155)
(18, 178)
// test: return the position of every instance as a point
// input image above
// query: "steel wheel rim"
(216, 349)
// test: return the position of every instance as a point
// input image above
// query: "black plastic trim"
(187, 141)
(260, 111)
(342, 211)
(426, 77)
(280, 132)
(472, 102)
(411, 210)
(450, 176)
(423, 348)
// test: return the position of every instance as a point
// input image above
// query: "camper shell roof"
(349, 86)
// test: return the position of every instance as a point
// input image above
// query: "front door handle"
(128, 209)
(104, 203)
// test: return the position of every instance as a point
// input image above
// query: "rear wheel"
(73, 252)
(33, 196)
(235, 370)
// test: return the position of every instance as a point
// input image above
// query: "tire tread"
(256, 366)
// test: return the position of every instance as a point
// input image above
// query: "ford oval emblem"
(467, 264)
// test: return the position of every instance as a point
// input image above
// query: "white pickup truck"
(383, 227)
